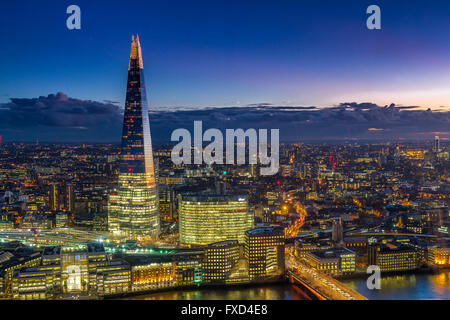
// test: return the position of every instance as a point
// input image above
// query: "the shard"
(133, 209)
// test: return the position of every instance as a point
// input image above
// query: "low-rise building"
(392, 256)
(335, 261)
(439, 257)
(33, 284)
(219, 259)
(113, 278)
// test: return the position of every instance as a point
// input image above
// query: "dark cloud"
(61, 118)
(58, 116)
(58, 110)
(366, 121)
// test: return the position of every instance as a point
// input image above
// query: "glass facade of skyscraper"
(205, 219)
(133, 210)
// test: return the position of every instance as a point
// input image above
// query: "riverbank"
(425, 284)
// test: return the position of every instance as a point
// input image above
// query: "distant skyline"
(60, 118)
(225, 54)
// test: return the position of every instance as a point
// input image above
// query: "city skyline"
(115, 185)
(58, 118)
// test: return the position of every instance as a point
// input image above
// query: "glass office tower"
(209, 218)
(133, 210)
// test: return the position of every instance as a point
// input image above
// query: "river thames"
(406, 287)
(398, 287)
(279, 291)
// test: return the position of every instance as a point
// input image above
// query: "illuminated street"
(329, 287)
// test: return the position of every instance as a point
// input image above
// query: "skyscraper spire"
(136, 53)
(133, 210)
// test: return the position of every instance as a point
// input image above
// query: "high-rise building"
(68, 198)
(54, 200)
(133, 209)
(61, 197)
(264, 251)
(436, 146)
(209, 218)
(167, 204)
(337, 233)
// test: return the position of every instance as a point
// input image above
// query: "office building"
(335, 261)
(264, 251)
(205, 219)
(113, 278)
(61, 220)
(219, 260)
(32, 284)
(392, 256)
(167, 202)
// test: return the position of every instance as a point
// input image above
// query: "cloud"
(58, 117)
(58, 110)
(349, 120)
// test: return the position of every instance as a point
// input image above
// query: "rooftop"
(266, 230)
(331, 253)
(210, 197)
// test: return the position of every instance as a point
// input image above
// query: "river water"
(279, 291)
(406, 287)
(400, 287)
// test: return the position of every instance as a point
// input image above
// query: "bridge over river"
(318, 285)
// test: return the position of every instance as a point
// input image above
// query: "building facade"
(335, 261)
(219, 260)
(133, 209)
(205, 219)
(264, 251)
(392, 257)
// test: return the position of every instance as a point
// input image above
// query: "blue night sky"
(230, 53)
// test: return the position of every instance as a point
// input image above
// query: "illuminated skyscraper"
(133, 210)
(68, 198)
(436, 146)
(54, 200)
